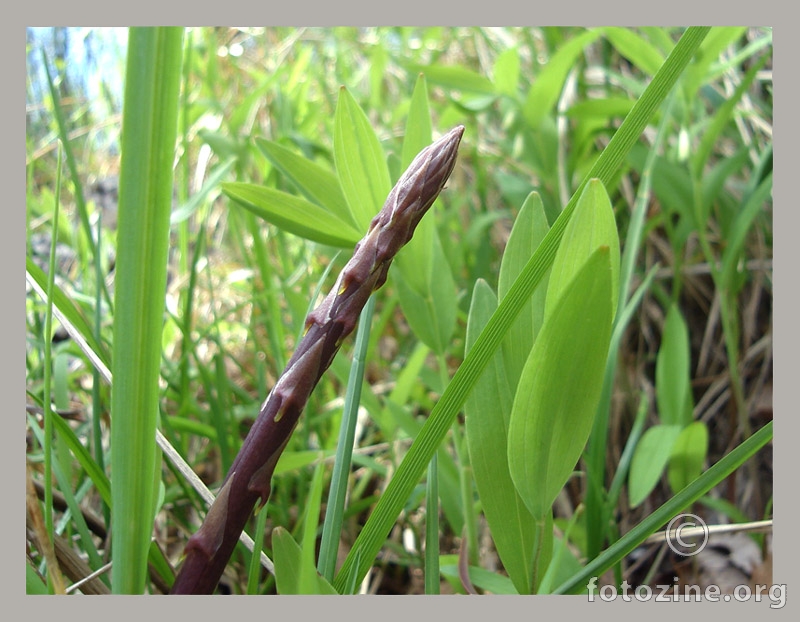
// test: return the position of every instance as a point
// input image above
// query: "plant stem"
(248, 480)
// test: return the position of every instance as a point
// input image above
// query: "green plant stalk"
(149, 131)
(334, 512)
(248, 480)
(371, 537)
(691, 493)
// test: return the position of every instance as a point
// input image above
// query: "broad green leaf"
(649, 459)
(506, 72)
(293, 214)
(688, 455)
(419, 131)
(672, 371)
(528, 231)
(379, 58)
(425, 280)
(601, 109)
(592, 227)
(560, 385)
(408, 376)
(287, 557)
(488, 411)
(431, 312)
(360, 161)
(317, 183)
(456, 77)
(636, 49)
(415, 259)
(296, 460)
(547, 86)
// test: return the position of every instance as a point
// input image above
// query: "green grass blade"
(68, 314)
(148, 147)
(80, 201)
(547, 87)
(635, 48)
(441, 417)
(334, 512)
(33, 582)
(254, 569)
(308, 568)
(457, 77)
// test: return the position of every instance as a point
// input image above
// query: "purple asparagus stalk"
(248, 481)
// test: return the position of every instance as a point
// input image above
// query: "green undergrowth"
(576, 344)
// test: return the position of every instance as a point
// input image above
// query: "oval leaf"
(560, 386)
(431, 311)
(688, 456)
(528, 231)
(317, 184)
(456, 77)
(360, 160)
(288, 559)
(293, 214)
(649, 459)
(488, 410)
(672, 371)
(592, 227)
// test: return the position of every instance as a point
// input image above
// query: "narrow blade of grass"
(148, 147)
